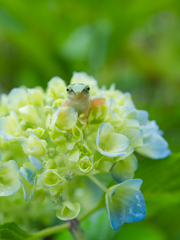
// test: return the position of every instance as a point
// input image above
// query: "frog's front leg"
(97, 102)
(65, 104)
(86, 117)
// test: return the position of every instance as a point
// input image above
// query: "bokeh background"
(135, 44)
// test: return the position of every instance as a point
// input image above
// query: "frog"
(78, 97)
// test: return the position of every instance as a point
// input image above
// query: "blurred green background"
(135, 44)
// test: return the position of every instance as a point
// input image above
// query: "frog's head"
(78, 91)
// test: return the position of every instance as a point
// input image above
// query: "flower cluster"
(44, 146)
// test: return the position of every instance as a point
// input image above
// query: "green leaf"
(161, 182)
(161, 176)
(10, 230)
(140, 231)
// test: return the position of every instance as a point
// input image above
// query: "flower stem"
(101, 204)
(50, 231)
(76, 230)
(98, 183)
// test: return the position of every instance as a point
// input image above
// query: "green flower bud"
(50, 178)
(85, 164)
(51, 164)
(69, 175)
(51, 152)
(68, 211)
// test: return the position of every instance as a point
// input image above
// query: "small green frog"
(78, 96)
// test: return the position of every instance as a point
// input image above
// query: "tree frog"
(78, 96)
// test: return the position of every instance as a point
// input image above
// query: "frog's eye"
(88, 88)
(67, 89)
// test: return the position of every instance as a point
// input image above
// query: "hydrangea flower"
(52, 146)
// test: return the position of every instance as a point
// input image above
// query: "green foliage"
(10, 230)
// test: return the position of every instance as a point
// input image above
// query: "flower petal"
(156, 149)
(38, 164)
(65, 118)
(74, 155)
(56, 89)
(135, 136)
(140, 115)
(28, 188)
(124, 169)
(28, 172)
(49, 178)
(125, 203)
(9, 182)
(28, 113)
(85, 164)
(34, 146)
(109, 143)
(10, 127)
(150, 128)
(18, 97)
(68, 211)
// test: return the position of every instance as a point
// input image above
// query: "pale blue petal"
(156, 149)
(129, 186)
(150, 128)
(142, 116)
(38, 164)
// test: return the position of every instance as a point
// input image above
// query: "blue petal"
(125, 203)
(116, 214)
(142, 116)
(136, 208)
(28, 173)
(36, 162)
(28, 188)
(156, 149)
